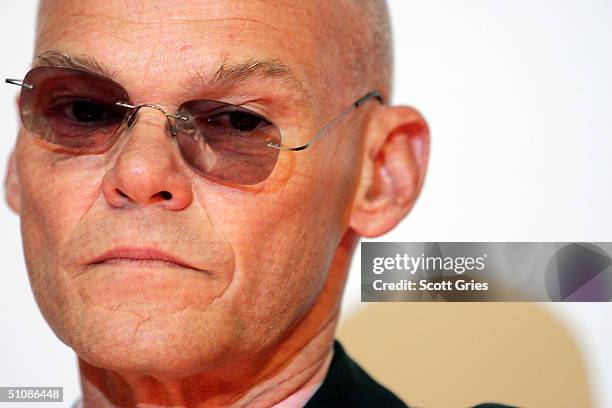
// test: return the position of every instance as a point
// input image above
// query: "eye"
(84, 111)
(244, 121)
(238, 120)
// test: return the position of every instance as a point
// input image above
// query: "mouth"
(139, 256)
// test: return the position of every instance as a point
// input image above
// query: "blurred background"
(517, 96)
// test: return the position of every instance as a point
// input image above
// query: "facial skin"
(254, 315)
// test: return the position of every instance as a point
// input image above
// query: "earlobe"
(11, 181)
(393, 170)
(11, 185)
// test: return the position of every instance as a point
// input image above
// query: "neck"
(143, 391)
(298, 362)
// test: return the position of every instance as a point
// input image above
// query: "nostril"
(121, 193)
(166, 195)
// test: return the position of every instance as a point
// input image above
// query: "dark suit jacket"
(348, 386)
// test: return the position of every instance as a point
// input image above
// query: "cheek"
(54, 196)
(284, 241)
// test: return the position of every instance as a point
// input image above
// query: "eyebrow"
(83, 62)
(226, 73)
(253, 69)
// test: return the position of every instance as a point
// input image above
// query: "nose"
(146, 170)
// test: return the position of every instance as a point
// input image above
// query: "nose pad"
(171, 127)
(186, 125)
(131, 118)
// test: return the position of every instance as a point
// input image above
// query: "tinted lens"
(227, 142)
(72, 108)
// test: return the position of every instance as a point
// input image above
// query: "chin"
(167, 346)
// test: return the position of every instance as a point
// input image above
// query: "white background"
(517, 95)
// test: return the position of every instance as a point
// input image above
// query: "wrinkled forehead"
(146, 41)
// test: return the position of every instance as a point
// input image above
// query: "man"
(180, 246)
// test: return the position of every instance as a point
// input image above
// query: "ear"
(11, 182)
(396, 150)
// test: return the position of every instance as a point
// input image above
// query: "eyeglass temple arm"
(18, 82)
(374, 94)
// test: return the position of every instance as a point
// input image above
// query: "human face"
(134, 280)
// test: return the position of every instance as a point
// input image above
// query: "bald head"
(374, 46)
(358, 30)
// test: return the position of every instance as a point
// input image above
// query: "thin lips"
(140, 254)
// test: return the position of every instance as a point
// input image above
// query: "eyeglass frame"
(374, 94)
